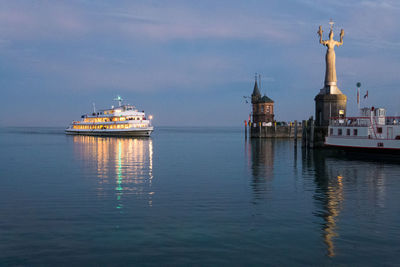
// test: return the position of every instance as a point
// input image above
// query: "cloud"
(382, 4)
(193, 73)
(47, 32)
(185, 24)
(61, 21)
(36, 22)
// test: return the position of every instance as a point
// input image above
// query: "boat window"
(331, 131)
(348, 132)
(379, 130)
(339, 132)
(355, 132)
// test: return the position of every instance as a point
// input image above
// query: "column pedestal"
(329, 105)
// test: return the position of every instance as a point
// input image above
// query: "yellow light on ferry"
(151, 117)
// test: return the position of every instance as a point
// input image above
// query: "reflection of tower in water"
(123, 166)
(260, 153)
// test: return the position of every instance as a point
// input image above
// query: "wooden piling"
(304, 135)
(311, 133)
(245, 129)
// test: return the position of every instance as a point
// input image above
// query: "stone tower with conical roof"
(263, 106)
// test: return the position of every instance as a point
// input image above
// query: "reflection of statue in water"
(330, 74)
(329, 196)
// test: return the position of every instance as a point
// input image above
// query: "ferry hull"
(135, 133)
(387, 146)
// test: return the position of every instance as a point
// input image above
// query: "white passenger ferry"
(372, 131)
(124, 120)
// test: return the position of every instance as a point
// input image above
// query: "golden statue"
(330, 74)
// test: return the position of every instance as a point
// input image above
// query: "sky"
(189, 63)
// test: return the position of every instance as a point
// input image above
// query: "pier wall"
(311, 136)
(278, 131)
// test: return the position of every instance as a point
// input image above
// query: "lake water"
(192, 196)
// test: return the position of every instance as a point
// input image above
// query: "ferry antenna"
(119, 99)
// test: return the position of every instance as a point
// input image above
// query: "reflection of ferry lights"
(131, 160)
(151, 172)
(119, 177)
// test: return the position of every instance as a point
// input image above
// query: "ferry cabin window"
(331, 131)
(339, 132)
(379, 130)
(355, 132)
(348, 132)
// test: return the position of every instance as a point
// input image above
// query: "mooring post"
(312, 134)
(304, 135)
(308, 133)
(295, 133)
(259, 125)
(250, 132)
(245, 129)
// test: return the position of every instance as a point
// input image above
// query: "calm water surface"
(192, 196)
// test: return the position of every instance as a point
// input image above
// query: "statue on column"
(330, 102)
(330, 73)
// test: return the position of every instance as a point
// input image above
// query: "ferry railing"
(364, 121)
